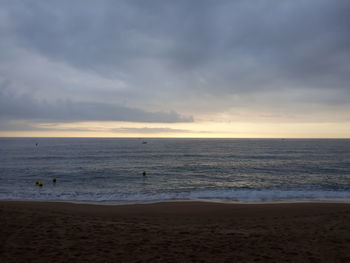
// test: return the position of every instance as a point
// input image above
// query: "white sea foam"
(209, 195)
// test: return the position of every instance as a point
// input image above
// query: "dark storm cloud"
(173, 55)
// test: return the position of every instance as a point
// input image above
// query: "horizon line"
(106, 137)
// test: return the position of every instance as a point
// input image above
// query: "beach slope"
(174, 232)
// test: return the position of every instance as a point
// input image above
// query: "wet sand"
(174, 232)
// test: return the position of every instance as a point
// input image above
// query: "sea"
(111, 171)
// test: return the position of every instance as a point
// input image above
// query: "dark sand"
(174, 232)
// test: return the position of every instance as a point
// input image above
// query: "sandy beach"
(174, 232)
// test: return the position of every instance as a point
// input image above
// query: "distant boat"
(144, 142)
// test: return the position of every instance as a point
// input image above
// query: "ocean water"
(110, 170)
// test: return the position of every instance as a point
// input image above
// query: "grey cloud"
(191, 56)
(294, 38)
(13, 125)
(24, 107)
(148, 130)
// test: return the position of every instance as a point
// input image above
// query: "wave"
(226, 195)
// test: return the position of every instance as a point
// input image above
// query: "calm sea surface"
(110, 170)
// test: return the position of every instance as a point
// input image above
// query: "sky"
(184, 68)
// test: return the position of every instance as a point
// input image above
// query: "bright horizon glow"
(187, 130)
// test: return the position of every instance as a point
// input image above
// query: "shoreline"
(112, 203)
(181, 231)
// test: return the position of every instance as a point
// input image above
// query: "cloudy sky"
(179, 68)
